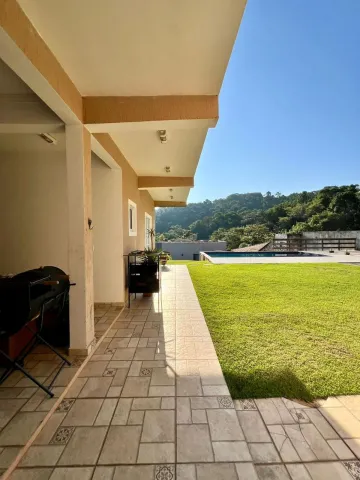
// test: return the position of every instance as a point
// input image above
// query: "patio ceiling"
(159, 65)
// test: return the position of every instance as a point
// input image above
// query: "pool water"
(261, 254)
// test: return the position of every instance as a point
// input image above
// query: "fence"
(290, 244)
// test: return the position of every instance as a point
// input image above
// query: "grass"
(284, 330)
(182, 262)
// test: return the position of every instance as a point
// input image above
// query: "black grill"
(25, 298)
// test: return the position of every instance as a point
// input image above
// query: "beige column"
(78, 164)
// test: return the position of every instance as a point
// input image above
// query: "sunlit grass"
(283, 330)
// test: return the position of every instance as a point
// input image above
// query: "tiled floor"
(152, 404)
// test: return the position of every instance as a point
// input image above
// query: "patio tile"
(84, 446)
(193, 444)
(103, 473)
(231, 452)
(106, 412)
(163, 376)
(121, 445)
(188, 387)
(136, 472)
(253, 426)
(136, 417)
(159, 426)
(156, 453)
(135, 368)
(342, 451)
(198, 416)
(8, 408)
(183, 412)
(65, 376)
(204, 402)
(161, 391)
(263, 453)
(328, 471)
(283, 444)
(83, 413)
(301, 446)
(269, 412)
(114, 392)
(215, 390)
(20, 428)
(32, 474)
(317, 443)
(246, 471)
(62, 435)
(146, 403)
(168, 403)
(343, 421)
(321, 424)
(119, 378)
(8, 455)
(42, 456)
(224, 425)
(94, 369)
(144, 354)
(185, 472)
(76, 388)
(216, 472)
(72, 473)
(136, 387)
(122, 411)
(96, 387)
(298, 472)
(354, 444)
(275, 472)
(124, 354)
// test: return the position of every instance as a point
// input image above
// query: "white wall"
(33, 211)
(107, 233)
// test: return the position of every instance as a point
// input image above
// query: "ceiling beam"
(25, 52)
(163, 182)
(158, 203)
(120, 110)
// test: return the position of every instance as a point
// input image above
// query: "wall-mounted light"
(167, 169)
(170, 189)
(171, 196)
(48, 138)
(162, 136)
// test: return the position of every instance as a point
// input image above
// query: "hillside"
(254, 217)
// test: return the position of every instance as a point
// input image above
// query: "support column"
(78, 164)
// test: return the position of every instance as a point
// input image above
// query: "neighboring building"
(190, 250)
(103, 114)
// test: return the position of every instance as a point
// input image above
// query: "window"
(132, 219)
(148, 226)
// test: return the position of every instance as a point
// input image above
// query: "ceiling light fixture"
(167, 169)
(48, 138)
(171, 197)
(170, 189)
(162, 136)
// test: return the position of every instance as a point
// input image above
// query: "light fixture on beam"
(162, 136)
(48, 138)
(170, 189)
(171, 197)
(167, 169)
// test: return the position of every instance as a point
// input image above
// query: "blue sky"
(290, 102)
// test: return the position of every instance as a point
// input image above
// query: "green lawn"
(283, 330)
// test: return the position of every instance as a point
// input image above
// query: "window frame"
(132, 218)
(147, 236)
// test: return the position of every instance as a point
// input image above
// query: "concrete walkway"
(152, 404)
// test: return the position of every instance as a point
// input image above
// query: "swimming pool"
(223, 254)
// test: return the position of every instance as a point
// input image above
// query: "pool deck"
(353, 258)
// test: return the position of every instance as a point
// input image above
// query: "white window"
(132, 218)
(148, 226)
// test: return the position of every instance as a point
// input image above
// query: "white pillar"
(78, 164)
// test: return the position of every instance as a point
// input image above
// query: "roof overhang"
(128, 69)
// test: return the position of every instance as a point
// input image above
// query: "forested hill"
(332, 208)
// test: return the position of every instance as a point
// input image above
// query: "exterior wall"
(34, 211)
(186, 250)
(144, 203)
(328, 235)
(107, 233)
